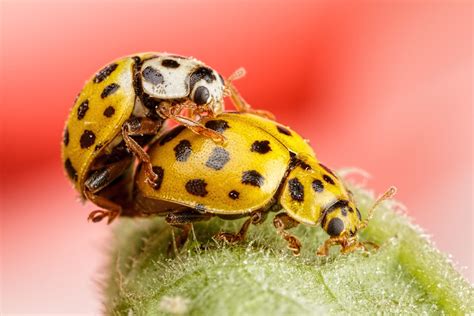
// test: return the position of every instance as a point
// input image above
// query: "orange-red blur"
(384, 86)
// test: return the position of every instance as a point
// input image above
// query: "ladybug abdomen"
(237, 178)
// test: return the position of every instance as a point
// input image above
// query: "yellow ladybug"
(263, 166)
(124, 106)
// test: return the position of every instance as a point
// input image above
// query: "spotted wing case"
(285, 135)
(241, 177)
(104, 104)
(305, 193)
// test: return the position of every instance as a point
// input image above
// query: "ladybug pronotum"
(263, 165)
(124, 106)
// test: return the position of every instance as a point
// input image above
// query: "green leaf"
(407, 275)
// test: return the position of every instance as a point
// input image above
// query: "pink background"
(383, 86)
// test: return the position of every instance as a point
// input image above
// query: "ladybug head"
(341, 218)
(207, 90)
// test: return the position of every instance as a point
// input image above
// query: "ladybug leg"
(141, 126)
(282, 222)
(178, 240)
(324, 249)
(183, 220)
(354, 246)
(103, 177)
(256, 218)
(112, 210)
(196, 127)
(358, 245)
(240, 104)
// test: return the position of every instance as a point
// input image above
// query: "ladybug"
(264, 167)
(124, 105)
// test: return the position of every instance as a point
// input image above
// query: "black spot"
(351, 210)
(261, 147)
(234, 195)
(71, 172)
(318, 186)
(219, 157)
(344, 211)
(335, 227)
(200, 208)
(201, 73)
(109, 111)
(152, 75)
(283, 130)
(296, 189)
(160, 173)
(147, 101)
(104, 73)
(171, 134)
(110, 89)
(87, 139)
(327, 169)
(82, 109)
(217, 125)
(252, 177)
(328, 179)
(358, 214)
(337, 205)
(182, 151)
(201, 95)
(66, 137)
(197, 187)
(170, 63)
(303, 165)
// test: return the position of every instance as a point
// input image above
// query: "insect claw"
(96, 216)
(99, 215)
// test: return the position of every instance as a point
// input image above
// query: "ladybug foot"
(215, 136)
(229, 238)
(152, 178)
(219, 139)
(207, 132)
(322, 251)
(99, 215)
(294, 245)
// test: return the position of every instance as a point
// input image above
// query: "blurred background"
(382, 86)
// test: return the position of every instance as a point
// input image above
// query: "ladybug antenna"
(229, 89)
(387, 195)
(239, 73)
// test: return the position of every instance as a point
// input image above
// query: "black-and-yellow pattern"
(104, 104)
(285, 135)
(237, 178)
(308, 193)
(259, 165)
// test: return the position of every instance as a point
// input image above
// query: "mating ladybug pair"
(231, 165)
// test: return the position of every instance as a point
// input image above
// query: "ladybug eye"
(335, 227)
(201, 96)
